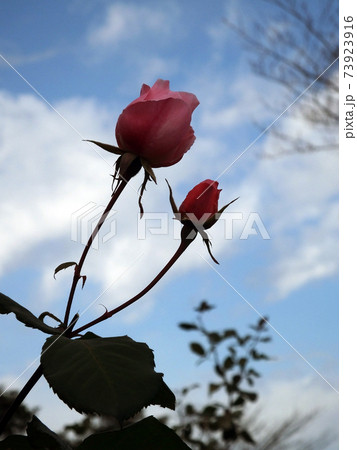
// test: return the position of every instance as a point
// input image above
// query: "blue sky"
(78, 65)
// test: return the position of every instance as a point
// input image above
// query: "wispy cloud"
(125, 22)
(19, 59)
(44, 161)
(298, 398)
(296, 197)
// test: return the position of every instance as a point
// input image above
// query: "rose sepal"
(109, 148)
(212, 220)
(173, 204)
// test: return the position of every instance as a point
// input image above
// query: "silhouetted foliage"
(218, 424)
(24, 414)
(222, 423)
(75, 433)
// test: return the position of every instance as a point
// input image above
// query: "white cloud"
(304, 210)
(296, 198)
(230, 104)
(17, 58)
(313, 256)
(45, 164)
(140, 38)
(124, 21)
(280, 398)
(298, 397)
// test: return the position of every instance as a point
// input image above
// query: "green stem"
(129, 173)
(188, 234)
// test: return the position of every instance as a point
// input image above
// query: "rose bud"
(199, 210)
(201, 203)
(156, 126)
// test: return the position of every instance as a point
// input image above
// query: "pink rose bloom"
(156, 126)
(201, 200)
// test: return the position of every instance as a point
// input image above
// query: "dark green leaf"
(63, 266)
(218, 370)
(214, 338)
(257, 356)
(110, 376)
(187, 431)
(237, 378)
(148, 434)
(252, 396)
(7, 305)
(228, 363)
(212, 426)
(262, 323)
(189, 409)
(209, 410)
(91, 335)
(16, 442)
(204, 306)
(229, 333)
(187, 326)
(239, 401)
(246, 437)
(230, 433)
(242, 363)
(237, 414)
(213, 387)
(187, 389)
(253, 373)
(231, 387)
(43, 438)
(197, 348)
(225, 420)
(243, 340)
(164, 397)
